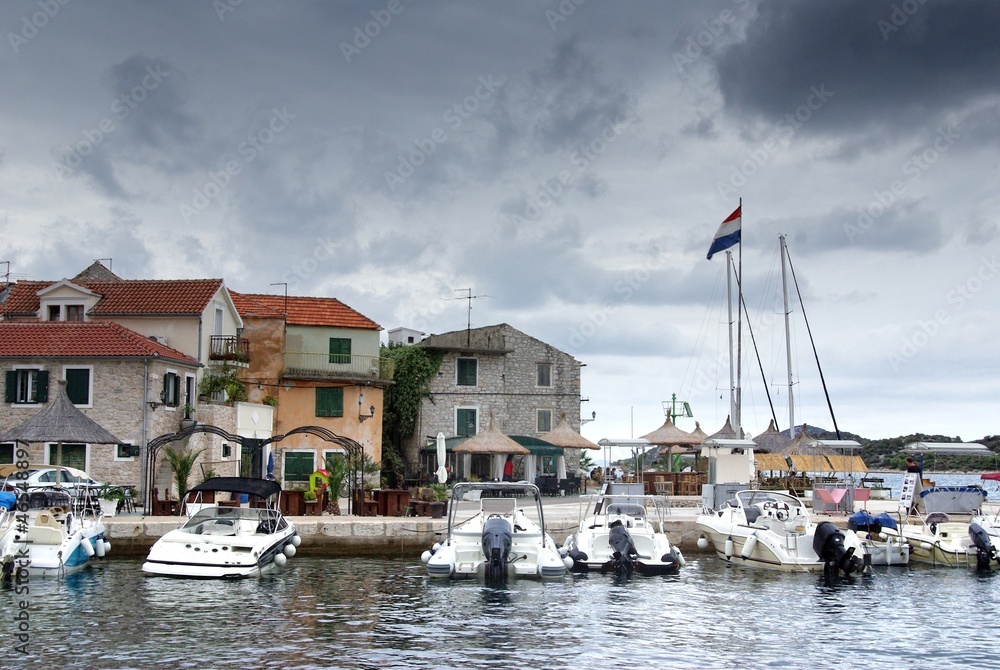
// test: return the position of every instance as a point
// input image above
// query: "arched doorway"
(352, 448)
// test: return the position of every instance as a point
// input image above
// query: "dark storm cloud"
(891, 65)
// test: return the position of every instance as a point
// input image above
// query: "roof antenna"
(470, 298)
(285, 284)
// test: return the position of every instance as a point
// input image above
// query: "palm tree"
(182, 463)
(336, 467)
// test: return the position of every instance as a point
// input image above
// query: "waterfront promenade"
(134, 534)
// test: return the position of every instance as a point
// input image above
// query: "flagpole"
(729, 327)
(738, 419)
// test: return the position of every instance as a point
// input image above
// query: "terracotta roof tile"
(126, 296)
(81, 339)
(304, 311)
(249, 307)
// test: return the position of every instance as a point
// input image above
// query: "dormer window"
(74, 312)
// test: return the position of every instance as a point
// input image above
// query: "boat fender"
(568, 562)
(729, 547)
(289, 550)
(88, 548)
(435, 547)
(296, 540)
(107, 547)
(426, 556)
(748, 547)
(280, 560)
(703, 543)
(99, 548)
(681, 561)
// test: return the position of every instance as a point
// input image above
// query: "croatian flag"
(728, 233)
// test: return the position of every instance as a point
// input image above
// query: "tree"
(414, 368)
(182, 462)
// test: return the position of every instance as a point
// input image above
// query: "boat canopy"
(262, 488)
(963, 448)
(991, 476)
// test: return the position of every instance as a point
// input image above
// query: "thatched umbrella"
(668, 435)
(490, 441)
(726, 432)
(60, 422)
(564, 436)
(771, 440)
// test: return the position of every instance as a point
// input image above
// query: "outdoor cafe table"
(392, 502)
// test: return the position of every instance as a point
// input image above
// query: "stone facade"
(506, 387)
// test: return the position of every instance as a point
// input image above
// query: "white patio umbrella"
(442, 472)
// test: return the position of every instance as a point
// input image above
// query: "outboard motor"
(497, 538)
(985, 551)
(623, 556)
(828, 543)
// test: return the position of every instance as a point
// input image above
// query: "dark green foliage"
(414, 368)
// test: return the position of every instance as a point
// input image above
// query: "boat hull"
(947, 544)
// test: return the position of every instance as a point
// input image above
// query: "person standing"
(508, 469)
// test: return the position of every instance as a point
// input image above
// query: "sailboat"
(771, 529)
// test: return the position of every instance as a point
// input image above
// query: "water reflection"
(387, 614)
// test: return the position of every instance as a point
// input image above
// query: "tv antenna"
(470, 298)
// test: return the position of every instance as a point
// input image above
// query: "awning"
(262, 488)
(771, 462)
(841, 463)
(537, 446)
(810, 463)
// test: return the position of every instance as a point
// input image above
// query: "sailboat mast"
(729, 304)
(788, 337)
(737, 417)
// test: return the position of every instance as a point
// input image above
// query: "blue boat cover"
(886, 521)
(8, 500)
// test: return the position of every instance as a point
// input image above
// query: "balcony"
(338, 366)
(229, 348)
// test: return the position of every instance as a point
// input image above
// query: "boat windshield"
(748, 498)
(230, 515)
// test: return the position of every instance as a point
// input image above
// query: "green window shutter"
(10, 394)
(466, 371)
(6, 454)
(465, 420)
(42, 386)
(298, 466)
(330, 401)
(78, 385)
(340, 350)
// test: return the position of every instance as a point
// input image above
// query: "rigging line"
(760, 365)
(698, 347)
(822, 379)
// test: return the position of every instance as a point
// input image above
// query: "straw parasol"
(60, 422)
(771, 440)
(491, 441)
(564, 436)
(668, 435)
(726, 432)
(699, 433)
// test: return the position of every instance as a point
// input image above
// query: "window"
(27, 386)
(171, 389)
(126, 452)
(330, 401)
(227, 450)
(544, 420)
(298, 465)
(189, 392)
(78, 385)
(466, 422)
(69, 455)
(544, 376)
(6, 453)
(55, 312)
(74, 312)
(466, 371)
(340, 350)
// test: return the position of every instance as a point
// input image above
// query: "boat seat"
(752, 513)
(45, 518)
(44, 535)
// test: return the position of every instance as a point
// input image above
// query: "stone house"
(111, 375)
(316, 360)
(526, 385)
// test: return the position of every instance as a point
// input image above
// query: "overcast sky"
(569, 162)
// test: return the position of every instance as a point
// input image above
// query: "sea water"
(385, 613)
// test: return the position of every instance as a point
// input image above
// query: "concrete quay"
(134, 534)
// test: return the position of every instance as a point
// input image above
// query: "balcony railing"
(330, 366)
(229, 348)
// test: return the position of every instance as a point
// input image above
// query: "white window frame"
(180, 390)
(37, 368)
(454, 417)
(124, 459)
(296, 450)
(538, 369)
(50, 449)
(90, 381)
(538, 420)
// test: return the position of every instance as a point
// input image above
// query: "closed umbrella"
(442, 471)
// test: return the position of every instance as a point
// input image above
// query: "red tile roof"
(124, 297)
(248, 307)
(81, 339)
(304, 311)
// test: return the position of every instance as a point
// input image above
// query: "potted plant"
(188, 420)
(312, 504)
(336, 468)
(440, 502)
(224, 380)
(182, 463)
(110, 497)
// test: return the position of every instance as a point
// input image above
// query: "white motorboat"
(51, 534)
(880, 537)
(772, 529)
(494, 535)
(227, 542)
(621, 531)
